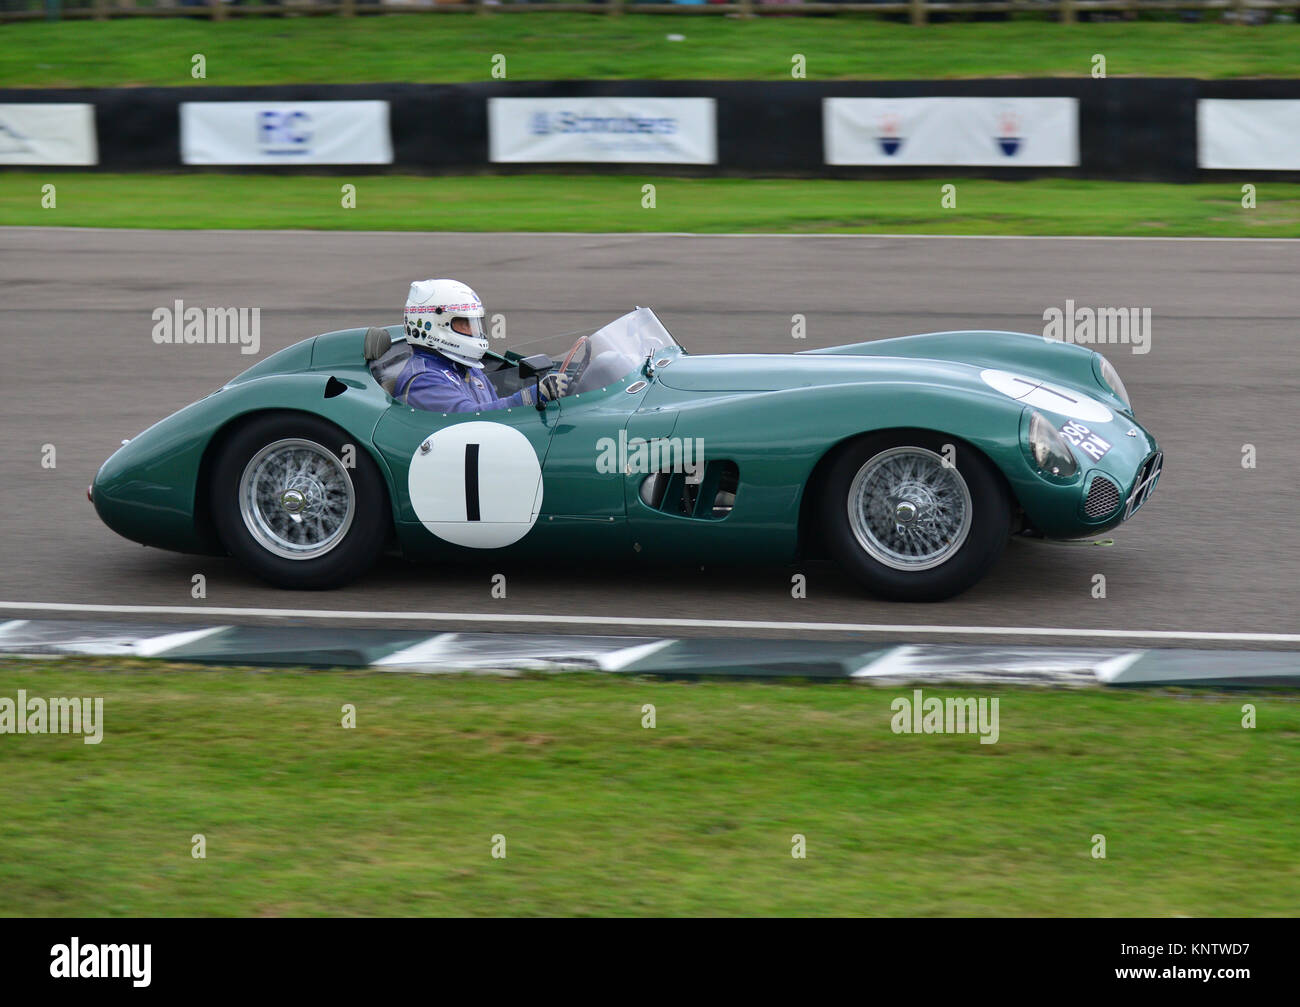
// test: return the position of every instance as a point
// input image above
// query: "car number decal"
(1085, 440)
(476, 484)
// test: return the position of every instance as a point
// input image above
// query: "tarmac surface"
(1217, 548)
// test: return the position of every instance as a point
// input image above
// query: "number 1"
(471, 482)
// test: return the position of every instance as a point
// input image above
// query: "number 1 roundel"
(476, 484)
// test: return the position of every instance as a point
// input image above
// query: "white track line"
(159, 645)
(657, 234)
(620, 659)
(1110, 670)
(895, 629)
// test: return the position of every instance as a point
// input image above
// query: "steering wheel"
(576, 360)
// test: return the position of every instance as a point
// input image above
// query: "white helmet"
(447, 316)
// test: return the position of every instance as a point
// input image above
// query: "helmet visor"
(472, 327)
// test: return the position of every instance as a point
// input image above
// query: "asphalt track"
(1217, 549)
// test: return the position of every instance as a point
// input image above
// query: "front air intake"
(1102, 498)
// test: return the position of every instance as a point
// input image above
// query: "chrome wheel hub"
(296, 499)
(293, 501)
(909, 509)
(305, 496)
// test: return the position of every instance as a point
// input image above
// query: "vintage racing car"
(908, 461)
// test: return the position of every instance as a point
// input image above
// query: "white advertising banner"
(977, 132)
(285, 132)
(37, 133)
(635, 130)
(1252, 134)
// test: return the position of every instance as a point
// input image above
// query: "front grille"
(1148, 476)
(1102, 498)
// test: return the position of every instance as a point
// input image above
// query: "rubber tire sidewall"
(990, 520)
(364, 540)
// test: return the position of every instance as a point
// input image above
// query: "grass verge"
(554, 46)
(614, 203)
(603, 816)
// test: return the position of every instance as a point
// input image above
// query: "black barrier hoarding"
(1142, 129)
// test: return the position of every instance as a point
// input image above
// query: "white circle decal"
(476, 484)
(1044, 395)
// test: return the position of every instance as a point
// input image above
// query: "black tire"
(957, 565)
(351, 549)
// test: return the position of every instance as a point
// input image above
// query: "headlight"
(1051, 452)
(1111, 377)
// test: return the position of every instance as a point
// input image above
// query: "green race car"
(908, 461)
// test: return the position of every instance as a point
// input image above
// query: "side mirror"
(536, 366)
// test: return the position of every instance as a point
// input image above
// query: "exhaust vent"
(710, 499)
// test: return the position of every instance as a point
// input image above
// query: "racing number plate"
(1085, 440)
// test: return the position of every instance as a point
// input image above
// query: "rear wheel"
(914, 516)
(287, 506)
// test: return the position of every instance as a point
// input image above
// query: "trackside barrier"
(1142, 129)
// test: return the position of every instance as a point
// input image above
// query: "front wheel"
(914, 516)
(287, 505)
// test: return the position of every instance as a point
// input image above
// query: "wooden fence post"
(918, 12)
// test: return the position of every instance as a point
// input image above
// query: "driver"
(444, 327)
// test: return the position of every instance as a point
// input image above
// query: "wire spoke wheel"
(296, 499)
(909, 509)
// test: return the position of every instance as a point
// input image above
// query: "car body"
(657, 454)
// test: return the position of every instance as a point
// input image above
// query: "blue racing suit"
(431, 381)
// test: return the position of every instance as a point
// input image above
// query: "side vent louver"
(710, 499)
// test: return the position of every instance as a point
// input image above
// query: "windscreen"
(611, 353)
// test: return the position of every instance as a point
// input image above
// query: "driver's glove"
(554, 386)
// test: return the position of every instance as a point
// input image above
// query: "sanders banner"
(37, 133)
(635, 130)
(980, 132)
(303, 132)
(1251, 134)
